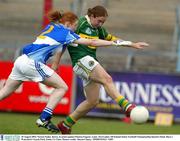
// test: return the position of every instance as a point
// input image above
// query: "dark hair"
(54, 16)
(68, 16)
(97, 11)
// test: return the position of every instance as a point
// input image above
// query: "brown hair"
(54, 16)
(97, 11)
(68, 16)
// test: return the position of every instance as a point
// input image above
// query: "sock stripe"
(121, 101)
(48, 112)
(67, 124)
(69, 121)
(72, 119)
(48, 109)
(126, 107)
(125, 102)
(118, 99)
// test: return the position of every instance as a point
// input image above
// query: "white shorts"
(83, 67)
(26, 69)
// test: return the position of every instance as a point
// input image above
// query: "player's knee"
(63, 87)
(93, 103)
(107, 80)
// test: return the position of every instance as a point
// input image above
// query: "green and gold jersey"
(85, 30)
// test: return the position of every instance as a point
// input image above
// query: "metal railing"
(176, 38)
(130, 55)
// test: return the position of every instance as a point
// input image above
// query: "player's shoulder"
(82, 22)
(82, 19)
(61, 28)
(58, 26)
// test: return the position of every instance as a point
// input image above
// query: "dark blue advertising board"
(158, 92)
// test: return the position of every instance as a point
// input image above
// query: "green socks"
(69, 121)
(124, 103)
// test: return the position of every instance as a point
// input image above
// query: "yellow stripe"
(119, 98)
(42, 37)
(125, 102)
(111, 37)
(89, 37)
(45, 32)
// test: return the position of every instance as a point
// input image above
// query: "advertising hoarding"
(31, 96)
(158, 92)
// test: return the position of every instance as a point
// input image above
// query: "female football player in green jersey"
(87, 67)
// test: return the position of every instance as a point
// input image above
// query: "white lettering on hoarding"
(141, 93)
(45, 89)
(126, 90)
(166, 91)
(103, 96)
(156, 94)
(44, 99)
(2, 82)
(176, 92)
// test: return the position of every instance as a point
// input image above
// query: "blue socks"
(46, 114)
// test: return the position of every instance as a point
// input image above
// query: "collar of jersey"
(88, 20)
(57, 24)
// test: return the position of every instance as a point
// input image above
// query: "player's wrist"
(114, 43)
(123, 43)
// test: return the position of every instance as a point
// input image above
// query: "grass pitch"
(18, 123)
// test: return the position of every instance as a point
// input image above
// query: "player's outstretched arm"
(137, 45)
(104, 43)
(95, 42)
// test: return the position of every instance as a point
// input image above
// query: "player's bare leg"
(60, 86)
(99, 75)
(9, 87)
(92, 99)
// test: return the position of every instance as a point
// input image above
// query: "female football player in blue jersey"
(31, 65)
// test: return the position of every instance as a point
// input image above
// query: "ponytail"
(68, 17)
(54, 16)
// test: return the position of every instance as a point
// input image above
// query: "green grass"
(17, 123)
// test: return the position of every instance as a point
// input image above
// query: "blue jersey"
(53, 37)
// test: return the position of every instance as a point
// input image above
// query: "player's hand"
(139, 45)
